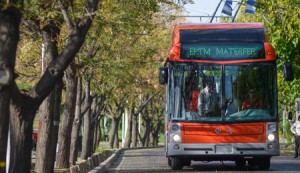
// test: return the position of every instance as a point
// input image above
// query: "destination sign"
(222, 51)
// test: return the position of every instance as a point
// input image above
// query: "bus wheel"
(187, 162)
(169, 161)
(264, 163)
(176, 163)
(253, 163)
(240, 163)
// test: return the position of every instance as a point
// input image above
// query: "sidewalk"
(134, 160)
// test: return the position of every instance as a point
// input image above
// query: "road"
(154, 160)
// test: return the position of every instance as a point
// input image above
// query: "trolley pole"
(212, 18)
(237, 11)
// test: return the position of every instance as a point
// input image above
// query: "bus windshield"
(228, 93)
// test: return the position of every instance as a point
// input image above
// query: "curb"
(105, 165)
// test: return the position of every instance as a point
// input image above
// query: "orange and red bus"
(235, 58)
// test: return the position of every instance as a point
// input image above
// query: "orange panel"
(215, 133)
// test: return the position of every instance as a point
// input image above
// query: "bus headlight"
(271, 137)
(176, 138)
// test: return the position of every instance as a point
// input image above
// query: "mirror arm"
(166, 61)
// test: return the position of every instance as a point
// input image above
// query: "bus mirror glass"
(163, 75)
(288, 71)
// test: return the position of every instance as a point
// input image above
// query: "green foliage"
(125, 47)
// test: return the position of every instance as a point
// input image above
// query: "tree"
(50, 108)
(76, 125)
(64, 143)
(134, 16)
(10, 18)
(23, 106)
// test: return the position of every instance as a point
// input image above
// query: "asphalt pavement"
(134, 160)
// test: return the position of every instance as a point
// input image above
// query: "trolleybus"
(234, 60)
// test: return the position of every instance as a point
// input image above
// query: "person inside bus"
(295, 129)
(191, 96)
(207, 101)
(253, 101)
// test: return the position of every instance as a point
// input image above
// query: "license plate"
(224, 149)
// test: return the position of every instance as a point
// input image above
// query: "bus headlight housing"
(175, 133)
(271, 127)
(271, 132)
(177, 138)
(175, 127)
(271, 137)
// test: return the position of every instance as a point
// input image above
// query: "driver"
(253, 101)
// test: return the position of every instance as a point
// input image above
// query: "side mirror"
(163, 75)
(288, 71)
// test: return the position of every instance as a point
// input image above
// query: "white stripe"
(250, 9)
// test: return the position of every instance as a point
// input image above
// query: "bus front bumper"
(222, 151)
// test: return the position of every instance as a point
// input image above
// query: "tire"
(176, 163)
(169, 161)
(187, 162)
(264, 163)
(253, 164)
(240, 163)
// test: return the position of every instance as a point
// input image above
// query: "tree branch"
(55, 70)
(141, 107)
(65, 14)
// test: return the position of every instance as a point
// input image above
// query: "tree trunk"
(9, 34)
(113, 140)
(76, 125)
(129, 129)
(134, 131)
(87, 123)
(56, 118)
(43, 152)
(155, 133)
(92, 126)
(148, 128)
(95, 124)
(4, 125)
(45, 133)
(21, 135)
(97, 136)
(117, 140)
(63, 154)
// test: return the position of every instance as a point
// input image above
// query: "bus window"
(246, 87)
(188, 85)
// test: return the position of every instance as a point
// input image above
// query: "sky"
(205, 8)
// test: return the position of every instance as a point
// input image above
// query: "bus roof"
(207, 26)
(216, 25)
